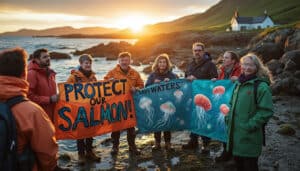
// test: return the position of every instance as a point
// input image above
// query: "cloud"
(108, 8)
(41, 14)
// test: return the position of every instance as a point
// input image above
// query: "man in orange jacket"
(34, 128)
(124, 71)
(42, 85)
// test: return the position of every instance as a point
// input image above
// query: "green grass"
(219, 15)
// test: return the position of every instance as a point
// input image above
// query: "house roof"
(250, 20)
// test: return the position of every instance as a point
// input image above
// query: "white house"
(248, 23)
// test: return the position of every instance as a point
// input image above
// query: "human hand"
(213, 79)
(167, 79)
(191, 78)
(156, 80)
(234, 78)
(54, 98)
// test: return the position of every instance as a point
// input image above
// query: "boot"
(191, 145)
(225, 156)
(92, 156)
(114, 150)
(81, 158)
(168, 146)
(205, 148)
(156, 146)
(134, 150)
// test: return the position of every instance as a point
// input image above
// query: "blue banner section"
(199, 106)
(164, 106)
(211, 105)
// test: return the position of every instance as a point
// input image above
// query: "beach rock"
(268, 51)
(110, 51)
(58, 55)
(275, 66)
(286, 129)
(291, 60)
(293, 41)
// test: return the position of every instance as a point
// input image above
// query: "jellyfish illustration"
(218, 91)
(145, 104)
(224, 110)
(168, 108)
(178, 95)
(203, 104)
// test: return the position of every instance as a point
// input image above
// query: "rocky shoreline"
(279, 49)
(280, 153)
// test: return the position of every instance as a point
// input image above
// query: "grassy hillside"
(219, 15)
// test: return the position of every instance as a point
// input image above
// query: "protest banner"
(93, 108)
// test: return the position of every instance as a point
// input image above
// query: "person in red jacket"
(34, 128)
(84, 74)
(42, 85)
(231, 68)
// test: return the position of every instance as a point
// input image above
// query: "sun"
(135, 23)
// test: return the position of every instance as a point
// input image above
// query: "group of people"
(250, 109)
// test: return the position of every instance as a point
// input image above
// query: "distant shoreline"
(82, 36)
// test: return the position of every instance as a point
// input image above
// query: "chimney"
(236, 14)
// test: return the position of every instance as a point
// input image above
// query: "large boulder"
(291, 60)
(268, 51)
(275, 66)
(58, 55)
(293, 41)
(111, 50)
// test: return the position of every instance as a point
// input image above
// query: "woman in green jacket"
(250, 110)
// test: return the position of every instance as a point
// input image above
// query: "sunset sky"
(41, 14)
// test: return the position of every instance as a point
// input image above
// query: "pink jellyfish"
(178, 95)
(218, 91)
(224, 110)
(145, 104)
(168, 108)
(202, 101)
(203, 104)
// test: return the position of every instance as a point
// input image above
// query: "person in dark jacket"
(248, 114)
(84, 74)
(161, 72)
(201, 67)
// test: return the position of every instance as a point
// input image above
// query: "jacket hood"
(76, 72)
(12, 86)
(34, 66)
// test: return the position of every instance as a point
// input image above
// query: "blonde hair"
(85, 57)
(162, 56)
(199, 44)
(261, 70)
(124, 54)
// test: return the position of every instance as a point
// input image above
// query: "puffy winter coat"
(42, 86)
(132, 76)
(77, 76)
(236, 71)
(34, 127)
(246, 118)
(206, 69)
